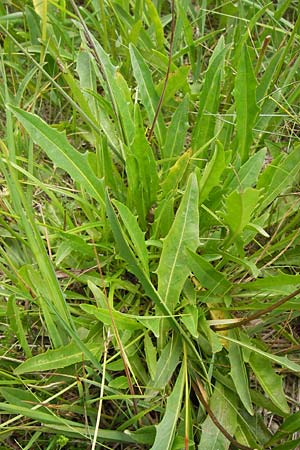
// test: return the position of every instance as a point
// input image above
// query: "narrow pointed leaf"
(211, 437)
(176, 132)
(245, 100)
(150, 290)
(240, 206)
(279, 176)
(209, 100)
(239, 375)
(173, 269)
(69, 426)
(209, 277)
(115, 88)
(165, 431)
(61, 152)
(212, 173)
(167, 363)
(56, 359)
(148, 93)
(136, 235)
(269, 380)
(248, 174)
(282, 361)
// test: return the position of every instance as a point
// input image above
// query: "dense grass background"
(149, 224)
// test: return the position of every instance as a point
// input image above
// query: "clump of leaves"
(149, 224)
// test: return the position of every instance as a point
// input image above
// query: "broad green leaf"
(239, 209)
(212, 173)
(242, 436)
(204, 129)
(98, 294)
(166, 429)
(61, 152)
(269, 380)
(245, 101)
(223, 409)
(112, 177)
(282, 361)
(136, 363)
(209, 277)
(144, 435)
(148, 93)
(176, 132)
(150, 322)
(262, 401)
(58, 358)
(150, 291)
(135, 233)
(172, 269)
(239, 375)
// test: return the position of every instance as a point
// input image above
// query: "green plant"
(149, 223)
